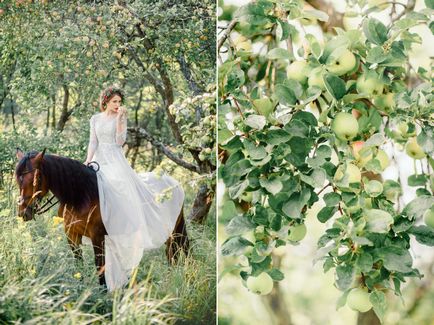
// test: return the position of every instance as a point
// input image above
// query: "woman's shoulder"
(95, 116)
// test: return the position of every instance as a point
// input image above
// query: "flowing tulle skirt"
(139, 212)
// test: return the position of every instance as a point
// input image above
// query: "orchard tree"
(305, 118)
(56, 56)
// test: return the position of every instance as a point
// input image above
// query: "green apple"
(362, 155)
(402, 130)
(341, 61)
(413, 149)
(345, 126)
(243, 43)
(383, 158)
(263, 106)
(261, 284)
(358, 300)
(316, 78)
(385, 102)
(369, 84)
(297, 232)
(352, 173)
(374, 188)
(298, 70)
(428, 218)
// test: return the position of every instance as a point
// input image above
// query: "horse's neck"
(57, 192)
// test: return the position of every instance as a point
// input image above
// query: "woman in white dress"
(135, 217)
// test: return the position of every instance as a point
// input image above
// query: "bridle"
(36, 190)
(38, 209)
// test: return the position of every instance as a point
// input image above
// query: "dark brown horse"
(75, 186)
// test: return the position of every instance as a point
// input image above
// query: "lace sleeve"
(93, 140)
(121, 131)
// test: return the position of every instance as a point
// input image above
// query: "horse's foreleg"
(98, 249)
(74, 241)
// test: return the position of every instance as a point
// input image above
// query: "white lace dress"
(139, 211)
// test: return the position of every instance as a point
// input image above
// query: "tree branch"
(335, 18)
(226, 34)
(163, 149)
(186, 72)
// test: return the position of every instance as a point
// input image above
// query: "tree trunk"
(275, 301)
(368, 318)
(53, 120)
(64, 114)
(202, 204)
(47, 123)
(13, 116)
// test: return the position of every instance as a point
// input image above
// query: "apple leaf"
(335, 86)
(344, 276)
(416, 180)
(426, 139)
(378, 221)
(316, 179)
(375, 31)
(276, 274)
(306, 117)
(282, 30)
(314, 45)
(234, 246)
(285, 95)
(378, 301)
(326, 213)
(395, 258)
(255, 121)
(235, 79)
(342, 300)
(292, 208)
(238, 189)
(254, 13)
(272, 184)
(377, 139)
(417, 207)
(279, 54)
(364, 262)
(423, 234)
(228, 211)
(376, 55)
(239, 225)
(331, 199)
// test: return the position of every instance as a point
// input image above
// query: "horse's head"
(32, 184)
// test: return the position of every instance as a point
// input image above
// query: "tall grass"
(41, 282)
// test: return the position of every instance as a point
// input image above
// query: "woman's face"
(113, 104)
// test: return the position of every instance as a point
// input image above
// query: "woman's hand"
(122, 113)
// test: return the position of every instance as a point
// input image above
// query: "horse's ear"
(39, 157)
(19, 154)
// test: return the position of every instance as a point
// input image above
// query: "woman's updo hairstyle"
(108, 94)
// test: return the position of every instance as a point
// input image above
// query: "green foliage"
(55, 58)
(40, 280)
(285, 156)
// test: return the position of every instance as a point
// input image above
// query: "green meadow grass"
(41, 283)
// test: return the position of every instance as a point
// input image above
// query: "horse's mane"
(69, 180)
